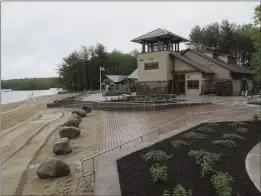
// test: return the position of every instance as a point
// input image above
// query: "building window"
(149, 66)
(192, 84)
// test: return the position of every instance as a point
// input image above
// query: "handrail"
(154, 130)
(103, 152)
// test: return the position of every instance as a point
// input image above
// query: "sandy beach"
(29, 131)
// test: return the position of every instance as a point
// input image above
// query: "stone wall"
(152, 87)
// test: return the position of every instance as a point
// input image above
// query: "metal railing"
(158, 132)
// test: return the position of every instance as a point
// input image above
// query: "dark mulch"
(135, 179)
(255, 102)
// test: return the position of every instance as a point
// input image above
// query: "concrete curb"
(253, 162)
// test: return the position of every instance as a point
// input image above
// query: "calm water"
(14, 96)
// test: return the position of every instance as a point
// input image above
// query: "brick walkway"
(120, 127)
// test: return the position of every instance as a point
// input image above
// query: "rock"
(62, 147)
(74, 121)
(74, 115)
(53, 168)
(69, 132)
(80, 112)
(87, 108)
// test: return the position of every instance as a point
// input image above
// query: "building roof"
(192, 63)
(208, 51)
(116, 78)
(231, 67)
(162, 33)
(134, 74)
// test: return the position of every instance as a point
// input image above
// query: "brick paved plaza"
(120, 127)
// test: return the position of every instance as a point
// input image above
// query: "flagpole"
(100, 80)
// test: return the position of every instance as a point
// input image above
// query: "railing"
(158, 132)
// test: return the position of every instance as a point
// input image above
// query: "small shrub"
(237, 124)
(166, 193)
(156, 156)
(179, 190)
(212, 125)
(241, 130)
(255, 117)
(225, 143)
(179, 143)
(222, 183)
(232, 136)
(205, 129)
(194, 136)
(158, 173)
(205, 159)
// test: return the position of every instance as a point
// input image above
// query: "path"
(121, 127)
(253, 162)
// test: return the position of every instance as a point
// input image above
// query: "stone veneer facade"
(151, 87)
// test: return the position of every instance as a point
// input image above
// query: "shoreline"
(12, 105)
(16, 112)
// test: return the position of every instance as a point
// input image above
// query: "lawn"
(207, 160)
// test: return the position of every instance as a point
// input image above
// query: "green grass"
(237, 124)
(205, 159)
(222, 183)
(205, 129)
(157, 156)
(232, 136)
(212, 125)
(158, 173)
(255, 117)
(241, 130)
(179, 143)
(194, 136)
(225, 143)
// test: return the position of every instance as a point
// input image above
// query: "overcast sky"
(35, 36)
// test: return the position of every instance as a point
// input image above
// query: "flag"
(102, 68)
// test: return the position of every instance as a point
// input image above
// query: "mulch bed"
(135, 179)
(255, 103)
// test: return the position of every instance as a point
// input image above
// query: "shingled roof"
(162, 33)
(192, 63)
(231, 67)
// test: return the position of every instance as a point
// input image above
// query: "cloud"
(36, 35)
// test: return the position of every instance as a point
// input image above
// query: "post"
(100, 81)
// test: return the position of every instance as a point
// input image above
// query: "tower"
(154, 63)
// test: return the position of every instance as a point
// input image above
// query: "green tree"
(80, 69)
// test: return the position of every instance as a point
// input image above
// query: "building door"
(181, 87)
(243, 85)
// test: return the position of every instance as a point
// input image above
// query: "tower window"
(149, 66)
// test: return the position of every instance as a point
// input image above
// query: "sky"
(35, 36)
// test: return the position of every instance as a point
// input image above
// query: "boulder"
(74, 115)
(62, 147)
(87, 108)
(80, 112)
(53, 168)
(69, 132)
(73, 121)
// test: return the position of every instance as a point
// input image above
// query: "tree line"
(81, 68)
(31, 84)
(242, 41)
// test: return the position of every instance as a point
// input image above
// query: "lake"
(15, 96)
